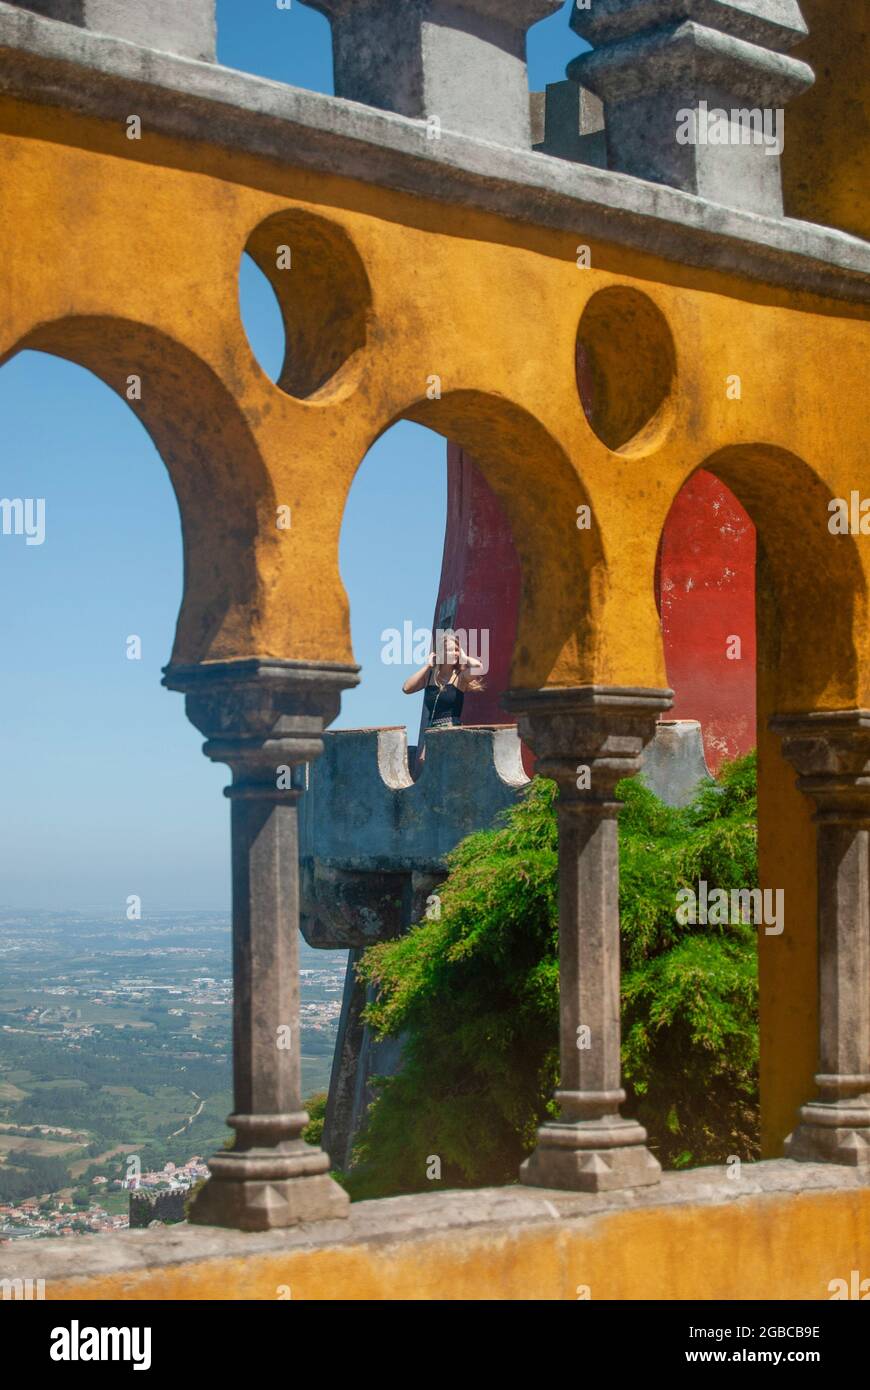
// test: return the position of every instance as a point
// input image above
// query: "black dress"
(443, 704)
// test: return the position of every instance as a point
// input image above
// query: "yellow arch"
(223, 490)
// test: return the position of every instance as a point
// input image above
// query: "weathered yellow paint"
(123, 256)
(770, 1247)
(826, 157)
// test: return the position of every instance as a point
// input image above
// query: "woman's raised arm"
(419, 679)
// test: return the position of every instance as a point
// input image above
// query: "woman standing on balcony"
(445, 682)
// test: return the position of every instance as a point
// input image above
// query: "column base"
(591, 1157)
(831, 1133)
(267, 1190)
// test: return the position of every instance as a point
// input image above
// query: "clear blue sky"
(104, 789)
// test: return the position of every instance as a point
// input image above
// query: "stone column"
(462, 61)
(655, 59)
(587, 739)
(831, 751)
(265, 719)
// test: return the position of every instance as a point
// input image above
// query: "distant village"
(52, 1217)
(83, 997)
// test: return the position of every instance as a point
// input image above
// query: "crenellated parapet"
(368, 809)
(374, 840)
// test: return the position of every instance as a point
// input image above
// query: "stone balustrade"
(694, 91)
(185, 27)
(459, 64)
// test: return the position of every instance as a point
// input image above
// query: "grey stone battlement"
(363, 809)
(165, 1207)
(373, 841)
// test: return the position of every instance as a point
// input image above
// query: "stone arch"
(223, 490)
(563, 568)
(811, 583)
(811, 607)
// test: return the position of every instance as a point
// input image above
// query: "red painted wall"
(480, 580)
(705, 590)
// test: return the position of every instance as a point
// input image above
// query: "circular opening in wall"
(626, 365)
(323, 296)
(262, 318)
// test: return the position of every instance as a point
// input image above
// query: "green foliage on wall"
(316, 1108)
(475, 996)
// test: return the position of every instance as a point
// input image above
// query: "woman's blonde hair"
(475, 683)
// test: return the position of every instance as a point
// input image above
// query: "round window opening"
(323, 296)
(626, 367)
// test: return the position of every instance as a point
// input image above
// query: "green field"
(117, 1059)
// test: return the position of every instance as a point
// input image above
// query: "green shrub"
(475, 996)
(316, 1108)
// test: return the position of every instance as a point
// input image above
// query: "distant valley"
(115, 1058)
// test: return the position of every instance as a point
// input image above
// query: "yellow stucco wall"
(124, 255)
(826, 156)
(763, 1247)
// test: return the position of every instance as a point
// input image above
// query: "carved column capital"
(602, 728)
(259, 715)
(830, 750)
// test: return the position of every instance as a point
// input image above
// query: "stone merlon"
(662, 58)
(363, 810)
(776, 24)
(186, 27)
(462, 62)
